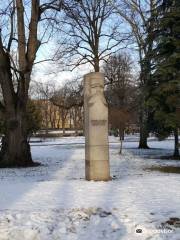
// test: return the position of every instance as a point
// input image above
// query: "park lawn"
(53, 201)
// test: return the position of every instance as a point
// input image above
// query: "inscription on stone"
(98, 122)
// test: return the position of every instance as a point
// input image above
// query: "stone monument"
(96, 128)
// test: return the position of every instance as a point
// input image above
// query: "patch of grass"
(173, 221)
(165, 169)
(170, 158)
(33, 164)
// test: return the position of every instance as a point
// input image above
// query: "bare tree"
(76, 114)
(120, 92)
(91, 32)
(138, 14)
(42, 93)
(21, 40)
(119, 119)
(69, 99)
(60, 105)
(120, 83)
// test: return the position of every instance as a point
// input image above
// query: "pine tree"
(164, 87)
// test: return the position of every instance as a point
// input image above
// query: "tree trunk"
(75, 123)
(145, 77)
(121, 138)
(15, 150)
(176, 143)
(143, 131)
(96, 61)
(70, 122)
(47, 124)
(121, 142)
(76, 131)
(63, 127)
(64, 131)
(121, 133)
(143, 138)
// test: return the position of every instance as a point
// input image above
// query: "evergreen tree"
(164, 87)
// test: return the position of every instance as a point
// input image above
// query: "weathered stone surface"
(96, 128)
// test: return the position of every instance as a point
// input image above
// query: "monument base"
(97, 170)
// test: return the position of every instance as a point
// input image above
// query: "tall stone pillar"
(96, 128)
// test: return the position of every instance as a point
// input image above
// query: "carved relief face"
(98, 89)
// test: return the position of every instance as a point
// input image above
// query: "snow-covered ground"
(54, 202)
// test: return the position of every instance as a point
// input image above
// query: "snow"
(53, 201)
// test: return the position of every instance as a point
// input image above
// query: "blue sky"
(49, 71)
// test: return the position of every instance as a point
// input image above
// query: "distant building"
(54, 117)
